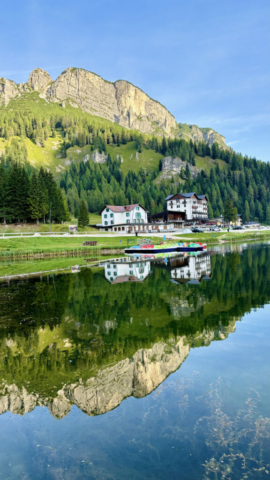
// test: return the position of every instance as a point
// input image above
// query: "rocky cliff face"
(196, 134)
(39, 79)
(172, 166)
(119, 102)
(8, 90)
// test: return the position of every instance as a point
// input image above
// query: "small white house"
(123, 215)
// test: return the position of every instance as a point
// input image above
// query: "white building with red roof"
(123, 215)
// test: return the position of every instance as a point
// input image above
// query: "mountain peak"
(39, 79)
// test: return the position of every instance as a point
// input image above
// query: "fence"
(41, 234)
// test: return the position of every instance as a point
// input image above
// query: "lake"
(141, 369)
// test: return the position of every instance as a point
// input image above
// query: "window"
(137, 208)
(106, 223)
(109, 273)
(141, 270)
(112, 222)
(111, 215)
(107, 209)
(131, 272)
(105, 216)
(115, 266)
(128, 221)
(111, 279)
(128, 214)
(115, 274)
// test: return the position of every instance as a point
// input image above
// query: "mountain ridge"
(120, 102)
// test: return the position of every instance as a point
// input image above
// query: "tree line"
(245, 180)
(27, 194)
(99, 185)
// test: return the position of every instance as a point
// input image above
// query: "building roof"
(201, 197)
(187, 195)
(122, 208)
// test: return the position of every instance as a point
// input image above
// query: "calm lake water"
(156, 370)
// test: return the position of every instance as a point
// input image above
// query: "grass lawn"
(226, 237)
(20, 245)
(32, 266)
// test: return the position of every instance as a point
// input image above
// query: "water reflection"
(73, 339)
(192, 269)
(126, 270)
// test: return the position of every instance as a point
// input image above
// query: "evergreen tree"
(83, 220)
(44, 194)
(230, 211)
(267, 218)
(246, 213)
(34, 199)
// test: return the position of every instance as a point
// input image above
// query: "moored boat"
(166, 247)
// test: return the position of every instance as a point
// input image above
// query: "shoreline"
(59, 247)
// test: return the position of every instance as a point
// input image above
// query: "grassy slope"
(148, 159)
(33, 227)
(47, 156)
(206, 163)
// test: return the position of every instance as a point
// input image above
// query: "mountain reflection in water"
(94, 338)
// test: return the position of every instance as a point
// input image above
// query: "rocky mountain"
(119, 102)
(208, 135)
(173, 166)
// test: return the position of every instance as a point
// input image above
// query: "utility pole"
(50, 217)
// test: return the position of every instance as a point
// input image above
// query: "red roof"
(124, 208)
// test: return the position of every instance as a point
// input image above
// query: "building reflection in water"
(192, 269)
(185, 268)
(126, 270)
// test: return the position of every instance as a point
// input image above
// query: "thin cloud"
(236, 141)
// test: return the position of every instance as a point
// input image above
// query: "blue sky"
(207, 61)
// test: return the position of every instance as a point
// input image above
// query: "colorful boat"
(166, 247)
